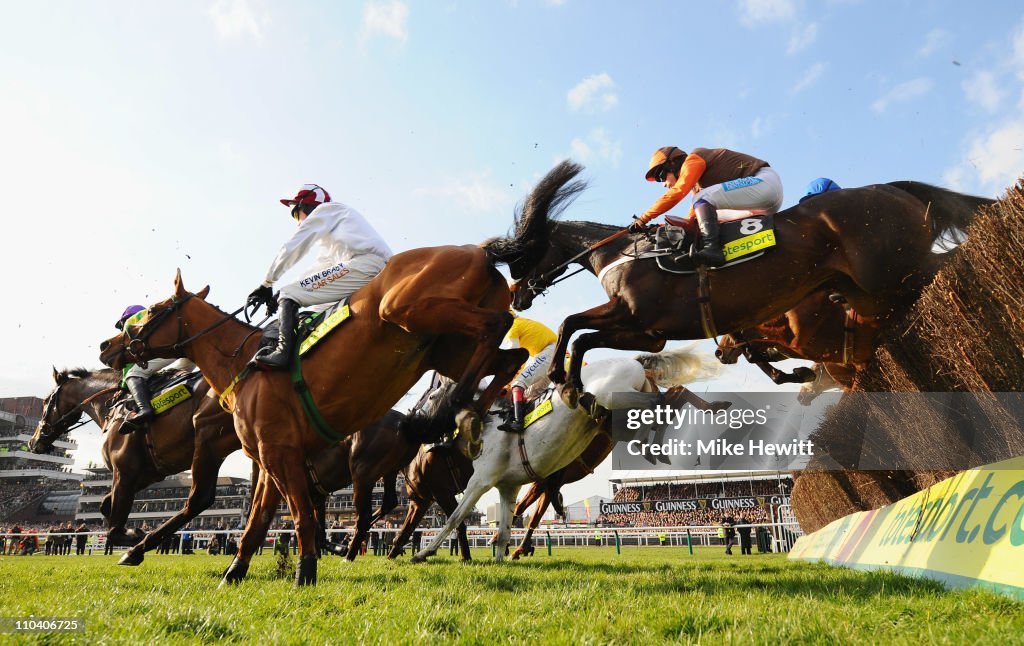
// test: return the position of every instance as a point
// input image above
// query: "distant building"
(162, 500)
(27, 479)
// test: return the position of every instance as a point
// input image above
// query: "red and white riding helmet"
(308, 194)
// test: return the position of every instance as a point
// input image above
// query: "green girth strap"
(320, 424)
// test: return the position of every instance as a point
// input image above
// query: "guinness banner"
(693, 504)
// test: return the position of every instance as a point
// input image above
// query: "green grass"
(589, 595)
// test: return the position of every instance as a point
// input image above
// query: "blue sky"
(136, 138)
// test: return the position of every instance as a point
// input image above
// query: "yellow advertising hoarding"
(964, 531)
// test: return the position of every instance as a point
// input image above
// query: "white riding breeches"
(334, 283)
(761, 193)
(533, 377)
(156, 365)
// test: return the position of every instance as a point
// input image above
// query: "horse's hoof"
(470, 426)
(570, 396)
(419, 557)
(721, 404)
(235, 573)
(305, 573)
(131, 558)
(515, 555)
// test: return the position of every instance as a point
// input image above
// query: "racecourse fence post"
(689, 542)
(549, 543)
(494, 550)
(618, 543)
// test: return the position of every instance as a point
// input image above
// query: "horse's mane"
(680, 366)
(549, 198)
(85, 373)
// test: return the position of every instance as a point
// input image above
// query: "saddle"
(169, 388)
(311, 327)
(742, 240)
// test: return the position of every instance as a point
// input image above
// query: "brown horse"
(872, 245)
(443, 308)
(818, 330)
(195, 434)
(437, 475)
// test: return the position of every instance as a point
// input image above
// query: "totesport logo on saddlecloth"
(965, 531)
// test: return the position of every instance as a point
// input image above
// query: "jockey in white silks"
(352, 253)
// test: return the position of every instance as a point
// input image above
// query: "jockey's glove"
(638, 226)
(262, 295)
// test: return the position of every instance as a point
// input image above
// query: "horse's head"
(61, 409)
(158, 335)
(730, 349)
(533, 280)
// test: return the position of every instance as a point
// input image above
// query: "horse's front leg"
(472, 494)
(286, 467)
(265, 499)
(619, 338)
(507, 502)
(613, 314)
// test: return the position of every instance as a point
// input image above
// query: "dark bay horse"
(200, 437)
(195, 433)
(437, 475)
(872, 245)
(443, 308)
(823, 329)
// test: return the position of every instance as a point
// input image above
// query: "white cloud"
(755, 13)
(933, 42)
(994, 159)
(475, 192)
(802, 38)
(389, 19)
(1017, 59)
(761, 127)
(593, 94)
(982, 90)
(237, 19)
(809, 78)
(902, 93)
(597, 146)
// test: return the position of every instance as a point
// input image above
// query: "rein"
(77, 409)
(545, 279)
(137, 345)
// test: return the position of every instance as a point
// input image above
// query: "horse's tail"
(947, 210)
(545, 202)
(680, 366)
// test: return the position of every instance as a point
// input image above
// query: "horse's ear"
(203, 293)
(179, 288)
(56, 375)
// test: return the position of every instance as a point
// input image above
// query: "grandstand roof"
(713, 476)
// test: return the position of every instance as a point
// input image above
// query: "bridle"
(138, 345)
(539, 285)
(75, 410)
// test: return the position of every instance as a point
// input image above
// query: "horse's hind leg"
(542, 506)
(286, 468)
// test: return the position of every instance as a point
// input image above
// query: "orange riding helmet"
(660, 158)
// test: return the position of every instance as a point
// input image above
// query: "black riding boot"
(515, 425)
(710, 247)
(281, 357)
(140, 393)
